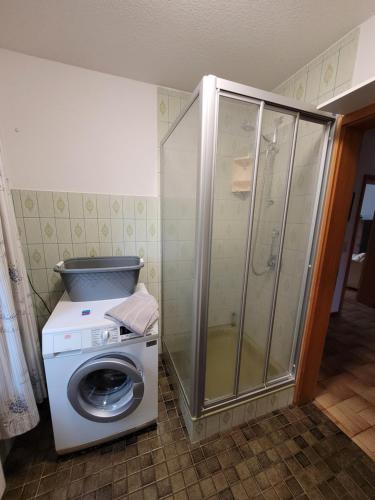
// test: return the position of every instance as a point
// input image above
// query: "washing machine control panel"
(101, 336)
(112, 335)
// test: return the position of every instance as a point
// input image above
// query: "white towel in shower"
(137, 313)
(242, 173)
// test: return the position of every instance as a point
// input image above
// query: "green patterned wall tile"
(77, 228)
(141, 249)
(92, 230)
(63, 231)
(39, 280)
(55, 283)
(79, 250)
(65, 251)
(116, 207)
(128, 207)
(152, 230)
(45, 204)
(163, 108)
(29, 204)
(153, 251)
(61, 205)
(129, 230)
(117, 230)
(118, 249)
(89, 206)
(140, 207)
(103, 206)
(105, 234)
(48, 228)
(21, 229)
(75, 205)
(51, 254)
(105, 249)
(153, 271)
(36, 256)
(92, 250)
(32, 230)
(141, 230)
(130, 248)
(58, 226)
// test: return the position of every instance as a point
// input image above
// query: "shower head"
(247, 126)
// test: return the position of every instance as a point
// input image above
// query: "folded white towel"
(137, 313)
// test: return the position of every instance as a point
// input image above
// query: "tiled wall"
(325, 76)
(170, 104)
(57, 226)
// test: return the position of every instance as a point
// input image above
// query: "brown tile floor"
(346, 391)
(292, 453)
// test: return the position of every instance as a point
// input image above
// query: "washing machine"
(102, 379)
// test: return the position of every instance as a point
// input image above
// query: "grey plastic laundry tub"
(99, 278)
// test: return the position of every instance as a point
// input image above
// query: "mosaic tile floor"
(292, 453)
(346, 391)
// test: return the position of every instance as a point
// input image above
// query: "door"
(106, 388)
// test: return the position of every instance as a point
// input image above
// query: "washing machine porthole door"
(106, 388)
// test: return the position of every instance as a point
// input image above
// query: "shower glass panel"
(179, 181)
(242, 186)
(236, 140)
(270, 194)
(301, 214)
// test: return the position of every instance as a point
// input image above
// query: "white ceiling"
(175, 42)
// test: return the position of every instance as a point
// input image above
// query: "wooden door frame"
(367, 179)
(343, 170)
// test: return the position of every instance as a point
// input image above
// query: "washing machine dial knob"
(106, 335)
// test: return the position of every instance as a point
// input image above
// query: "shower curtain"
(21, 373)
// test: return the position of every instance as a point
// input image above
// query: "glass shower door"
(299, 229)
(233, 184)
(268, 206)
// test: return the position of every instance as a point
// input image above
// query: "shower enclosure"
(242, 180)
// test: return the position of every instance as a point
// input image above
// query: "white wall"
(364, 67)
(66, 128)
(366, 166)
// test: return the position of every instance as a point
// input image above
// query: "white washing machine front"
(102, 380)
(95, 396)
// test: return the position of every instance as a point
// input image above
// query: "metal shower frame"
(208, 92)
